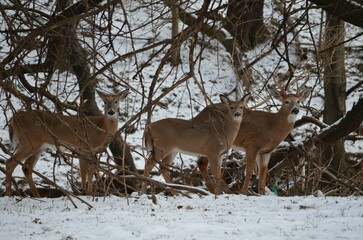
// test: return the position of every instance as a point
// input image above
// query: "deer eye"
(287, 102)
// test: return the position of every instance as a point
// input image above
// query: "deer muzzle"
(111, 112)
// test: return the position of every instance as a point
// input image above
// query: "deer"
(259, 134)
(33, 131)
(165, 138)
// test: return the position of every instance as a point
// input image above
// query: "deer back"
(261, 130)
(44, 128)
(37, 128)
(196, 138)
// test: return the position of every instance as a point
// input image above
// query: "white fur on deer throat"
(291, 118)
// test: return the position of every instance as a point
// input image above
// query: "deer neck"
(110, 124)
(286, 118)
(230, 131)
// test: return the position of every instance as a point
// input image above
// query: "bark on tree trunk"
(334, 87)
(245, 21)
(76, 58)
(175, 55)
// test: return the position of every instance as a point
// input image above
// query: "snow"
(176, 217)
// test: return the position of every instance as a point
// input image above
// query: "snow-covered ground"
(208, 217)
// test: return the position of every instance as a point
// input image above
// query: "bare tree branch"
(349, 123)
(348, 10)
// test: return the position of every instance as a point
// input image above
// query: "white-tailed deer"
(167, 137)
(32, 132)
(260, 133)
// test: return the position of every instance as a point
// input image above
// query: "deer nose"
(111, 112)
(237, 114)
(295, 111)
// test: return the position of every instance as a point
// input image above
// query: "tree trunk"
(76, 58)
(334, 87)
(245, 22)
(175, 55)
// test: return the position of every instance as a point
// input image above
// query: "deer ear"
(224, 99)
(124, 93)
(305, 93)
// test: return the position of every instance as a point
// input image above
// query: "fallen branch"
(169, 186)
(307, 119)
(335, 178)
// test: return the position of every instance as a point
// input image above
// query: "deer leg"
(164, 166)
(11, 164)
(87, 169)
(215, 166)
(28, 173)
(20, 155)
(149, 165)
(92, 166)
(91, 172)
(250, 167)
(262, 172)
(83, 167)
(203, 168)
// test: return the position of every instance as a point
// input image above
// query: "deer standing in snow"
(32, 132)
(167, 137)
(260, 133)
